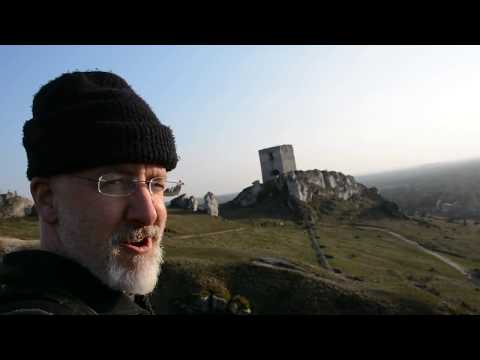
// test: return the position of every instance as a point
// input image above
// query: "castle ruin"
(276, 161)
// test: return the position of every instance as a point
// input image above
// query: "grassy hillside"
(375, 273)
(372, 267)
(21, 228)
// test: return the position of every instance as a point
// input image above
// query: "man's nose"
(141, 209)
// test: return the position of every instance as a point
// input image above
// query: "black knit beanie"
(83, 120)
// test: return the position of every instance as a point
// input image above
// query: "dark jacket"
(40, 282)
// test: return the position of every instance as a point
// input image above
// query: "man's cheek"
(101, 228)
(108, 217)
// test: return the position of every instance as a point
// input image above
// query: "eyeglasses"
(116, 185)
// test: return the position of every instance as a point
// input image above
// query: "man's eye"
(116, 182)
(116, 185)
(157, 185)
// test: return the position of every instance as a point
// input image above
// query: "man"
(98, 158)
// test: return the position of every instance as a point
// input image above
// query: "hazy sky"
(354, 109)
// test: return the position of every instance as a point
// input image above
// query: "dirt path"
(204, 234)
(442, 258)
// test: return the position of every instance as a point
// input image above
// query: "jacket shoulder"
(14, 301)
(22, 293)
(38, 280)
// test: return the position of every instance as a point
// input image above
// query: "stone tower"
(276, 160)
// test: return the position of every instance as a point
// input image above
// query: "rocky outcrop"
(184, 202)
(13, 205)
(303, 185)
(306, 194)
(210, 205)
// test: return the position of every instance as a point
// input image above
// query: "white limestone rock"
(302, 185)
(210, 204)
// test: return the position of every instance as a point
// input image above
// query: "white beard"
(103, 257)
(138, 276)
(140, 280)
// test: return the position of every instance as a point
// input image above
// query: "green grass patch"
(21, 228)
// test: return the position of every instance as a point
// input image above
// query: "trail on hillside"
(204, 234)
(442, 258)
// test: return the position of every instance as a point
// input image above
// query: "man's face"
(117, 238)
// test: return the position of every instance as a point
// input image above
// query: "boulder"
(184, 202)
(192, 204)
(210, 204)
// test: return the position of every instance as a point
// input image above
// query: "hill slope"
(375, 272)
(448, 189)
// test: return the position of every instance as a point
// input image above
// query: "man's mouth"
(138, 246)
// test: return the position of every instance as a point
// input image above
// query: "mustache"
(131, 233)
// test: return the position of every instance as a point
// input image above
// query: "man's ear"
(43, 196)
